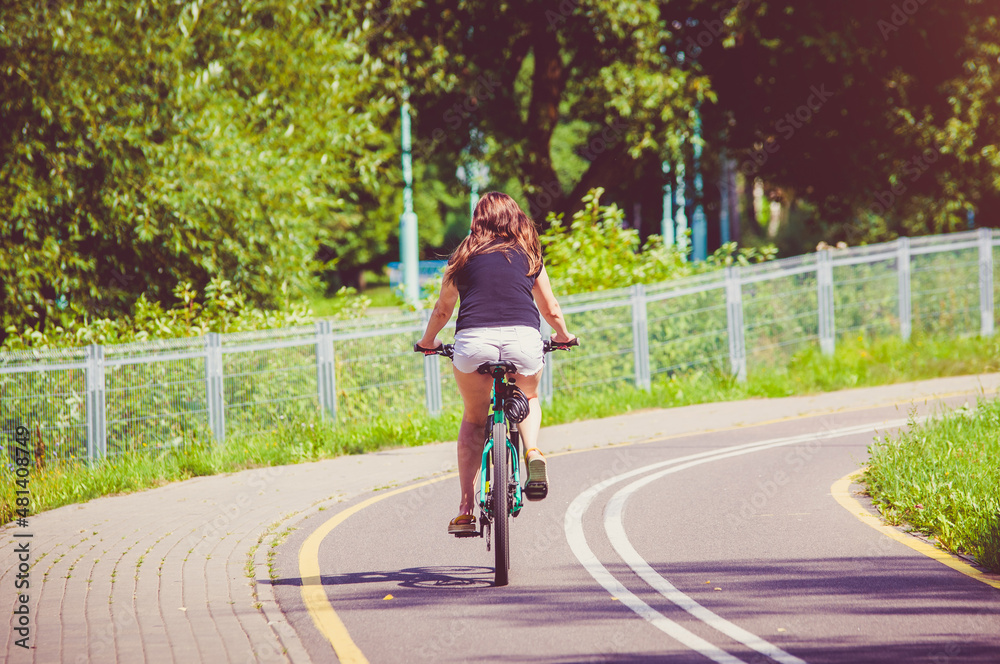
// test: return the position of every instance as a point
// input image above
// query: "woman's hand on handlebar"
(448, 350)
(562, 339)
(428, 346)
(552, 344)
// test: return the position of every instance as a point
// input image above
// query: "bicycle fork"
(515, 500)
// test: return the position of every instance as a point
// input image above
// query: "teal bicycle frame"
(498, 416)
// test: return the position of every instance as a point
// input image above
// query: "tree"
(523, 71)
(871, 118)
(146, 146)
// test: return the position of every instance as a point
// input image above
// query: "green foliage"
(595, 252)
(167, 143)
(519, 72)
(220, 309)
(941, 477)
(877, 119)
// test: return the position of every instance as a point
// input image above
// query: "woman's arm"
(549, 308)
(440, 315)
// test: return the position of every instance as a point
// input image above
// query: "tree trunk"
(548, 81)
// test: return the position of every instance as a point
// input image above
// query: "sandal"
(463, 524)
(537, 486)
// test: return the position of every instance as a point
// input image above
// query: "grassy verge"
(942, 478)
(856, 363)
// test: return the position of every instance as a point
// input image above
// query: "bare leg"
(470, 450)
(536, 486)
(475, 391)
(533, 422)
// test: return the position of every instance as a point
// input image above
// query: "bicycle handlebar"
(548, 345)
(448, 350)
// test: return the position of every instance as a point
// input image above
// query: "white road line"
(577, 542)
(614, 527)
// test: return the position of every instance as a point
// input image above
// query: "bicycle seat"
(489, 367)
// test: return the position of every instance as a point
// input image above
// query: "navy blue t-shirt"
(496, 292)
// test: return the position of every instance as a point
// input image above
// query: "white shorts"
(519, 344)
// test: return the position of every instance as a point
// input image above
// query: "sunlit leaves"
(148, 145)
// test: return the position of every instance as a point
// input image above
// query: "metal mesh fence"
(379, 375)
(866, 299)
(153, 395)
(780, 310)
(51, 405)
(448, 389)
(688, 328)
(996, 281)
(263, 387)
(944, 288)
(154, 405)
(607, 356)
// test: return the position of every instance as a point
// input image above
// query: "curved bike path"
(188, 572)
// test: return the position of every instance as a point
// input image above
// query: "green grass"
(857, 363)
(383, 296)
(379, 296)
(942, 478)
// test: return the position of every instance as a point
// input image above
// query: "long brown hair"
(498, 224)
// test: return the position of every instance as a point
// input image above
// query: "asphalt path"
(722, 546)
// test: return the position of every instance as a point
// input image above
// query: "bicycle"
(501, 497)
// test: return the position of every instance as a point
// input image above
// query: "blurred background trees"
(151, 144)
(900, 141)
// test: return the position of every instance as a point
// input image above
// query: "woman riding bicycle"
(497, 273)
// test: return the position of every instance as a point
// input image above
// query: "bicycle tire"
(501, 508)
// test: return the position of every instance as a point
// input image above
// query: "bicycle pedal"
(474, 533)
(536, 490)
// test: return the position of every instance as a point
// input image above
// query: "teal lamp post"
(473, 173)
(667, 220)
(699, 224)
(408, 258)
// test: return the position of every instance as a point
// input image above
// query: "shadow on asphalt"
(446, 577)
(886, 585)
(960, 619)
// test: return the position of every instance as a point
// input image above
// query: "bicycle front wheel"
(501, 508)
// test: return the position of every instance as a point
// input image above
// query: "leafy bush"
(220, 309)
(595, 252)
(152, 144)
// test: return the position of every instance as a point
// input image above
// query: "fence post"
(326, 370)
(827, 326)
(640, 337)
(987, 325)
(903, 270)
(432, 374)
(96, 407)
(215, 386)
(734, 321)
(545, 387)
(432, 383)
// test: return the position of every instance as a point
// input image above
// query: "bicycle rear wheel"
(501, 507)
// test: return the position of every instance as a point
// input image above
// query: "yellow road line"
(314, 594)
(841, 492)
